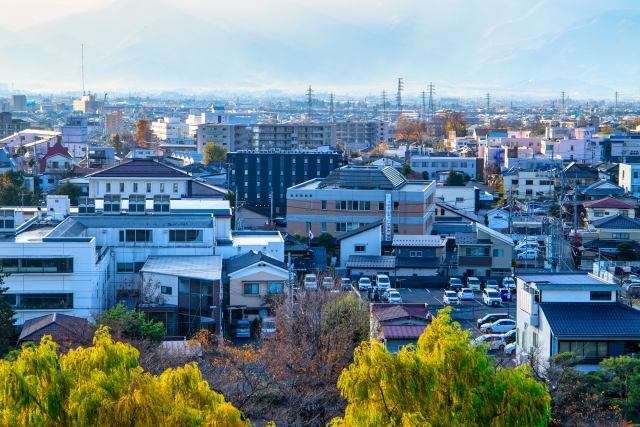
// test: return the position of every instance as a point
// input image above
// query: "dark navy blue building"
(255, 175)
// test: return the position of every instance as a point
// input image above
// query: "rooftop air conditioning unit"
(112, 204)
(137, 204)
(161, 204)
(86, 205)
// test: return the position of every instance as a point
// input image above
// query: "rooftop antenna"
(399, 94)
(331, 99)
(82, 69)
(309, 102)
(384, 104)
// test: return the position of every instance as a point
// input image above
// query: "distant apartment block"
(87, 105)
(10, 126)
(19, 103)
(217, 117)
(354, 196)
(292, 136)
(365, 133)
(258, 174)
(438, 167)
(233, 137)
(169, 128)
(113, 121)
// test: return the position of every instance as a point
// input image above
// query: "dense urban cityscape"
(306, 255)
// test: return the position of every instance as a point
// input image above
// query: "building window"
(459, 199)
(635, 174)
(323, 227)
(360, 248)
(135, 187)
(598, 214)
(251, 288)
(168, 290)
(308, 227)
(514, 182)
(620, 236)
(444, 164)
(148, 187)
(396, 228)
(323, 205)
(498, 252)
(162, 187)
(529, 182)
(122, 187)
(129, 267)
(381, 206)
(415, 254)
(276, 288)
(40, 301)
(535, 339)
(396, 206)
(185, 235)
(136, 235)
(37, 265)
(529, 192)
(585, 349)
(175, 187)
(600, 295)
(309, 205)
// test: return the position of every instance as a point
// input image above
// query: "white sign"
(387, 217)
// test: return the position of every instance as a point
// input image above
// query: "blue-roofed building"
(574, 312)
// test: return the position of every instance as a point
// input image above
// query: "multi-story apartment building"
(19, 103)
(169, 128)
(629, 177)
(87, 105)
(438, 167)
(10, 126)
(484, 252)
(292, 136)
(353, 196)
(365, 133)
(258, 175)
(233, 137)
(523, 184)
(75, 135)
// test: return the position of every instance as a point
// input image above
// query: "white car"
(510, 348)
(385, 294)
(528, 255)
(394, 297)
(491, 297)
(527, 247)
(466, 294)
(508, 283)
(383, 282)
(310, 282)
(450, 298)
(473, 283)
(495, 342)
(345, 283)
(364, 284)
(499, 326)
(327, 283)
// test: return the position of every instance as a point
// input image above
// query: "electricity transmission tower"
(616, 105)
(399, 95)
(432, 105)
(488, 97)
(562, 94)
(331, 99)
(309, 102)
(384, 104)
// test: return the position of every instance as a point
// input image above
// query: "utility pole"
(399, 95)
(309, 102)
(331, 99)
(384, 104)
(271, 217)
(236, 208)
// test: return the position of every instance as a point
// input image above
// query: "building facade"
(169, 128)
(10, 126)
(292, 136)
(233, 137)
(19, 103)
(437, 165)
(365, 133)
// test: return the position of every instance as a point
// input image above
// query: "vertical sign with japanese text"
(387, 217)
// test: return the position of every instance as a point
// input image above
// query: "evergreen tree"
(71, 190)
(7, 318)
(214, 153)
(454, 179)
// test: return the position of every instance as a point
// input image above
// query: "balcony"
(474, 261)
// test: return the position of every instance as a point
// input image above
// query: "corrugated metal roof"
(141, 168)
(371, 261)
(403, 331)
(418, 240)
(364, 177)
(208, 267)
(592, 319)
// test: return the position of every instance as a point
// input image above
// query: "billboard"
(387, 217)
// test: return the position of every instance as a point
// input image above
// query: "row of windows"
(174, 235)
(530, 182)
(254, 288)
(441, 164)
(343, 227)
(121, 187)
(37, 265)
(40, 301)
(129, 267)
(585, 349)
(136, 235)
(348, 205)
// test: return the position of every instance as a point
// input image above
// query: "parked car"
(310, 282)
(473, 283)
(631, 290)
(455, 284)
(364, 284)
(505, 294)
(383, 282)
(491, 297)
(510, 348)
(491, 284)
(527, 247)
(384, 294)
(450, 298)
(510, 336)
(327, 282)
(394, 297)
(528, 255)
(500, 326)
(490, 318)
(243, 329)
(494, 341)
(466, 294)
(345, 283)
(268, 329)
(539, 211)
(509, 283)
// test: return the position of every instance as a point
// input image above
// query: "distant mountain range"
(148, 45)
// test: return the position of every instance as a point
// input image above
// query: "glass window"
(108, 187)
(37, 265)
(380, 206)
(122, 187)
(498, 252)
(186, 235)
(162, 187)
(175, 187)
(276, 288)
(251, 288)
(135, 187)
(148, 187)
(168, 290)
(136, 235)
(396, 206)
(323, 227)
(324, 205)
(600, 296)
(360, 248)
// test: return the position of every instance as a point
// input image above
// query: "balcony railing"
(475, 261)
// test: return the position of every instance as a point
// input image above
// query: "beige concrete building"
(484, 252)
(354, 196)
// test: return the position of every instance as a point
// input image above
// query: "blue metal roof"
(592, 319)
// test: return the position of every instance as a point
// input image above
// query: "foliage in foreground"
(444, 381)
(104, 385)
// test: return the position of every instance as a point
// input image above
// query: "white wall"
(460, 197)
(371, 239)
(98, 186)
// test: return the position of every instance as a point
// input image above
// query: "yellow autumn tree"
(443, 381)
(104, 385)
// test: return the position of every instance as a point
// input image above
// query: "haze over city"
(523, 49)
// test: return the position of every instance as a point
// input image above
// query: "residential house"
(395, 337)
(610, 232)
(461, 197)
(418, 255)
(399, 315)
(57, 160)
(577, 313)
(598, 190)
(523, 184)
(354, 196)
(364, 240)
(252, 218)
(484, 252)
(629, 177)
(605, 207)
(61, 327)
(253, 278)
(450, 219)
(438, 166)
(577, 176)
(498, 219)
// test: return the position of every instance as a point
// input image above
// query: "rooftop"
(619, 222)
(418, 240)
(608, 202)
(250, 258)
(359, 230)
(592, 319)
(195, 267)
(386, 312)
(403, 331)
(50, 324)
(563, 281)
(364, 177)
(141, 168)
(241, 238)
(371, 261)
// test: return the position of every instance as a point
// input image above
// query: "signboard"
(387, 217)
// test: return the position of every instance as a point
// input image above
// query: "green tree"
(454, 179)
(444, 381)
(7, 318)
(131, 324)
(71, 190)
(425, 175)
(406, 169)
(115, 142)
(625, 252)
(623, 385)
(231, 197)
(104, 385)
(214, 153)
(328, 241)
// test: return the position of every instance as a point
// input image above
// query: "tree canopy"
(104, 385)
(71, 190)
(7, 319)
(12, 190)
(444, 381)
(454, 179)
(115, 142)
(131, 324)
(143, 132)
(214, 153)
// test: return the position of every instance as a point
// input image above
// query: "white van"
(383, 282)
(310, 282)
